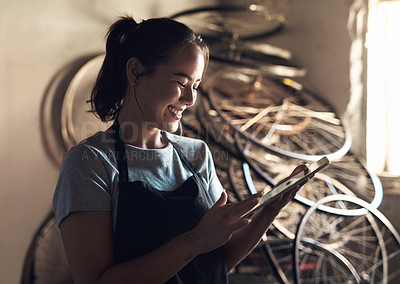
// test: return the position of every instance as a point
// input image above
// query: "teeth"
(174, 110)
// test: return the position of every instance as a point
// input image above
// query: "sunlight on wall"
(383, 99)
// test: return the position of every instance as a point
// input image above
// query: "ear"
(133, 69)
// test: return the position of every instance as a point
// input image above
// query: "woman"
(137, 204)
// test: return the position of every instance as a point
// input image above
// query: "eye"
(184, 86)
(180, 84)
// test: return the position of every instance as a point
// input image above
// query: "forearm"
(245, 240)
(155, 267)
(88, 242)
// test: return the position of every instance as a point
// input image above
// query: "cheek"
(163, 95)
(171, 93)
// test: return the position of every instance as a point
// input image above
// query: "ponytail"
(108, 92)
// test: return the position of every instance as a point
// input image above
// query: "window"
(383, 87)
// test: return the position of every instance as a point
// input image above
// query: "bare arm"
(87, 238)
(88, 243)
(245, 240)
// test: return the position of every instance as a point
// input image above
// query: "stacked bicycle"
(252, 107)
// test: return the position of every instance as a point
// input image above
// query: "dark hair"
(151, 41)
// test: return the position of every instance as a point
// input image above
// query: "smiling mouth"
(176, 112)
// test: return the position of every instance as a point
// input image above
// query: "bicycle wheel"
(319, 264)
(258, 55)
(77, 120)
(369, 242)
(342, 272)
(279, 253)
(215, 128)
(66, 118)
(244, 22)
(51, 107)
(45, 261)
(240, 183)
(287, 121)
(254, 269)
(346, 175)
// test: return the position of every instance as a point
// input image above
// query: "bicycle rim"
(269, 112)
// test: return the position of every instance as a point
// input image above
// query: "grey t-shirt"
(88, 179)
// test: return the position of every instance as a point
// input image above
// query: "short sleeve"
(215, 188)
(83, 183)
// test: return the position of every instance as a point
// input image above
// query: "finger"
(222, 200)
(241, 208)
(297, 170)
(249, 201)
(243, 203)
(239, 225)
(283, 200)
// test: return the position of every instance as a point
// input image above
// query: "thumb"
(222, 200)
(299, 169)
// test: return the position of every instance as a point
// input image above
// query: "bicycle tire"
(45, 261)
(77, 120)
(335, 268)
(311, 129)
(347, 175)
(367, 241)
(267, 58)
(215, 128)
(233, 21)
(51, 107)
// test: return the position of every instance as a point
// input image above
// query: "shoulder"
(192, 147)
(197, 152)
(187, 142)
(97, 149)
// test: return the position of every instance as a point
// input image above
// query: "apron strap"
(182, 156)
(120, 150)
(196, 174)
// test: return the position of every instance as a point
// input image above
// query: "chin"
(174, 129)
(171, 127)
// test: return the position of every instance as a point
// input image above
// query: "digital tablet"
(291, 183)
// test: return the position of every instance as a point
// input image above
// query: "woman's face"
(165, 93)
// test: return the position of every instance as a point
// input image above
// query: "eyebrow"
(187, 76)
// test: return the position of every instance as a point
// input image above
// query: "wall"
(38, 37)
(319, 40)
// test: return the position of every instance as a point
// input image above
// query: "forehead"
(188, 59)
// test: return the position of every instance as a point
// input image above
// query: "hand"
(276, 206)
(221, 221)
(297, 170)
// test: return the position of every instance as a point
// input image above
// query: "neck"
(135, 130)
(142, 135)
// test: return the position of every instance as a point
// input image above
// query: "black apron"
(147, 218)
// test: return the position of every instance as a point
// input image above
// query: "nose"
(189, 96)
